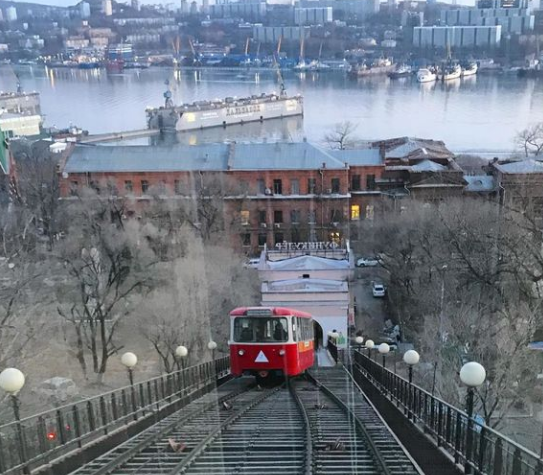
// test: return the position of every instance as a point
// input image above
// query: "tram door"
(317, 331)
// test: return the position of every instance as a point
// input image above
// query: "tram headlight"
(241, 352)
(281, 352)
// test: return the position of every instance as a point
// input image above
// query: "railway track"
(308, 427)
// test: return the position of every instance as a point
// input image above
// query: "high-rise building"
(205, 6)
(136, 5)
(502, 4)
(11, 13)
(107, 8)
(84, 10)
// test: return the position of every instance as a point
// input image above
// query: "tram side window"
(295, 328)
(260, 330)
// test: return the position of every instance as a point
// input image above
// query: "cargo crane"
(176, 46)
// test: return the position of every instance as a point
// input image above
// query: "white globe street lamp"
(472, 375)
(129, 361)
(181, 351)
(411, 358)
(212, 345)
(369, 345)
(384, 349)
(359, 340)
(12, 381)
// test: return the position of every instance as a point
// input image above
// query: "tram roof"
(275, 311)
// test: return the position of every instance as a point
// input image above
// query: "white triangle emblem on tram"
(261, 358)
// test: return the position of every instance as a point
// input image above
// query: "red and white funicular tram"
(270, 341)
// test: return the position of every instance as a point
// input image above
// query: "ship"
(427, 75)
(380, 66)
(470, 69)
(221, 113)
(402, 71)
(450, 72)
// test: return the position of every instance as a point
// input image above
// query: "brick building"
(270, 192)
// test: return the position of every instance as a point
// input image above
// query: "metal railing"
(491, 452)
(39, 439)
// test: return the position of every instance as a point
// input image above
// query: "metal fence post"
(457, 437)
(60, 427)
(77, 424)
(90, 414)
(482, 448)
(517, 462)
(498, 458)
(103, 413)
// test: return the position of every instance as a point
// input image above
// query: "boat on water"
(451, 72)
(380, 66)
(402, 71)
(470, 69)
(427, 75)
(220, 113)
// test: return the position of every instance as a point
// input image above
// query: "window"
(312, 186)
(278, 216)
(144, 186)
(94, 185)
(262, 216)
(294, 187)
(128, 186)
(246, 239)
(260, 330)
(335, 185)
(295, 216)
(370, 182)
(369, 212)
(335, 237)
(355, 212)
(277, 187)
(177, 187)
(355, 183)
(335, 215)
(295, 235)
(262, 239)
(260, 186)
(279, 237)
(74, 185)
(244, 218)
(312, 216)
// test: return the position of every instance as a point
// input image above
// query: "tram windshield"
(260, 330)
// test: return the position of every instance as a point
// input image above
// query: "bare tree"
(342, 137)
(530, 140)
(108, 264)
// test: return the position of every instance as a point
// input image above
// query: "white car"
(252, 263)
(367, 262)
(378, 290)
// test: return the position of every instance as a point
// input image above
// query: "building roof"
(207, 157)
(480, 183)
(359, 157)
(308, 263)
(305, 285)
(411, 147)
(523, 166)
(428, 166)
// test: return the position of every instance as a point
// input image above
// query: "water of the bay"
(477, 114)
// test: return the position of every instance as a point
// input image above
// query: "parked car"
(378, 290)
(368, 262)
(252, 263)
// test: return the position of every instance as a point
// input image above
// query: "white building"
(456, 36)
(11, 13)
(16, 125)
(512, 20)
(313, 16)
(271, 34)
(312, 277)
(84, 10)
(107, 7)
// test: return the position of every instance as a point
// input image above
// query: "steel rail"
(188, 461)
(308, 468)
(156, 434)
(359, 425)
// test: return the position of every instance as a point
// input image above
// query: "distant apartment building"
(76, 43)
(512, 20)
(107, 7)
(356, 9)
(313, 16)
(11, 14)
(153, 21)
(502, 4)
(249, 11)
(470, 37)
(84, 10)
(32, 42)
(271, 34)
(143, 38)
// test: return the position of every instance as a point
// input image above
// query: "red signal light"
(51, 436)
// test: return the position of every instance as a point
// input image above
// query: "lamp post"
(182, 352)
(369, 345)
(359, 340)
(384, 349)
(12, 381)
(411, 358)
(212, 346)
(472, 375)
(129, 361)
